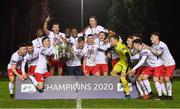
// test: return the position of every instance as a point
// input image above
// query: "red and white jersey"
(95, 30)
(147, 58)
(151, 60)
(37, 43)
(76, 61)
(101, 57)
(32, 59)
(73, 40)
(16, 60)
(165, 55)
(90, 54)
(41, 66)
(54, 36)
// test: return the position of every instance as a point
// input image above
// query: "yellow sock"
(125, 84)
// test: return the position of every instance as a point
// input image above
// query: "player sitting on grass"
(14, 67)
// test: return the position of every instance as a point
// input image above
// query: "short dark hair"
(80, 39)
(44, 38)
(138, 41)
(21, 45)
(55, 23)
(156, 34)
(138, 35)
(130, 36)
(29, 43)
(102, 32)
(115, 37)
(106, 34)
(94, 17)
(90, 35)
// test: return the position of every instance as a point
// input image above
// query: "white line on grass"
(78, 103)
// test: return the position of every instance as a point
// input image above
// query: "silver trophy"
(64, 49)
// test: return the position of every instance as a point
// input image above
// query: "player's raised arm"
(45, 27)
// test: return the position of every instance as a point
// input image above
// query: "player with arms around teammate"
(161, 50)
(153, 67)
(14, 67)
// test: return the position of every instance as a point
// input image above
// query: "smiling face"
(23, 50)
(90, 40)
(137, 46)
(154, 39)
(129, 42)
(81, 44)
(92, 22)
(46, 43)
(55, 28)
(74, 32)
(39, 33)
(113, 41)
(102, 36)
(30, 49)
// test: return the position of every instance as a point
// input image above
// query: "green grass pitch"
(6, 102)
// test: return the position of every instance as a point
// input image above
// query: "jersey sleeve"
(145, 52)
(14, 59)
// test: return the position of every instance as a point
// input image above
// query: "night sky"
(67, 13)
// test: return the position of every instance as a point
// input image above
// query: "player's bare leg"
(11, 86)
(52, 69)
(40, 86)
(163, 87)
(147, 84)
(169, 87)
(158, 87)
(97, 74)
(60, 71)
(141, 86)
(105, 73)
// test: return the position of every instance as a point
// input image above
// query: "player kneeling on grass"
(122, 65)
(153, 67)
(41, 71)
(14, 67)
(31, 60)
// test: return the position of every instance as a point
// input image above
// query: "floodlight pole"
(82, 12)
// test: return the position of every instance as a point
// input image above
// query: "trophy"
(63, 47)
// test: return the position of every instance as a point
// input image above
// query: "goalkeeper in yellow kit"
(123, 64)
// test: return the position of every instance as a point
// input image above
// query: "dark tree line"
(129, 16)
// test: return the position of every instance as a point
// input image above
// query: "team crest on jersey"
(13, 61)
(145, 53)
(161, 48)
